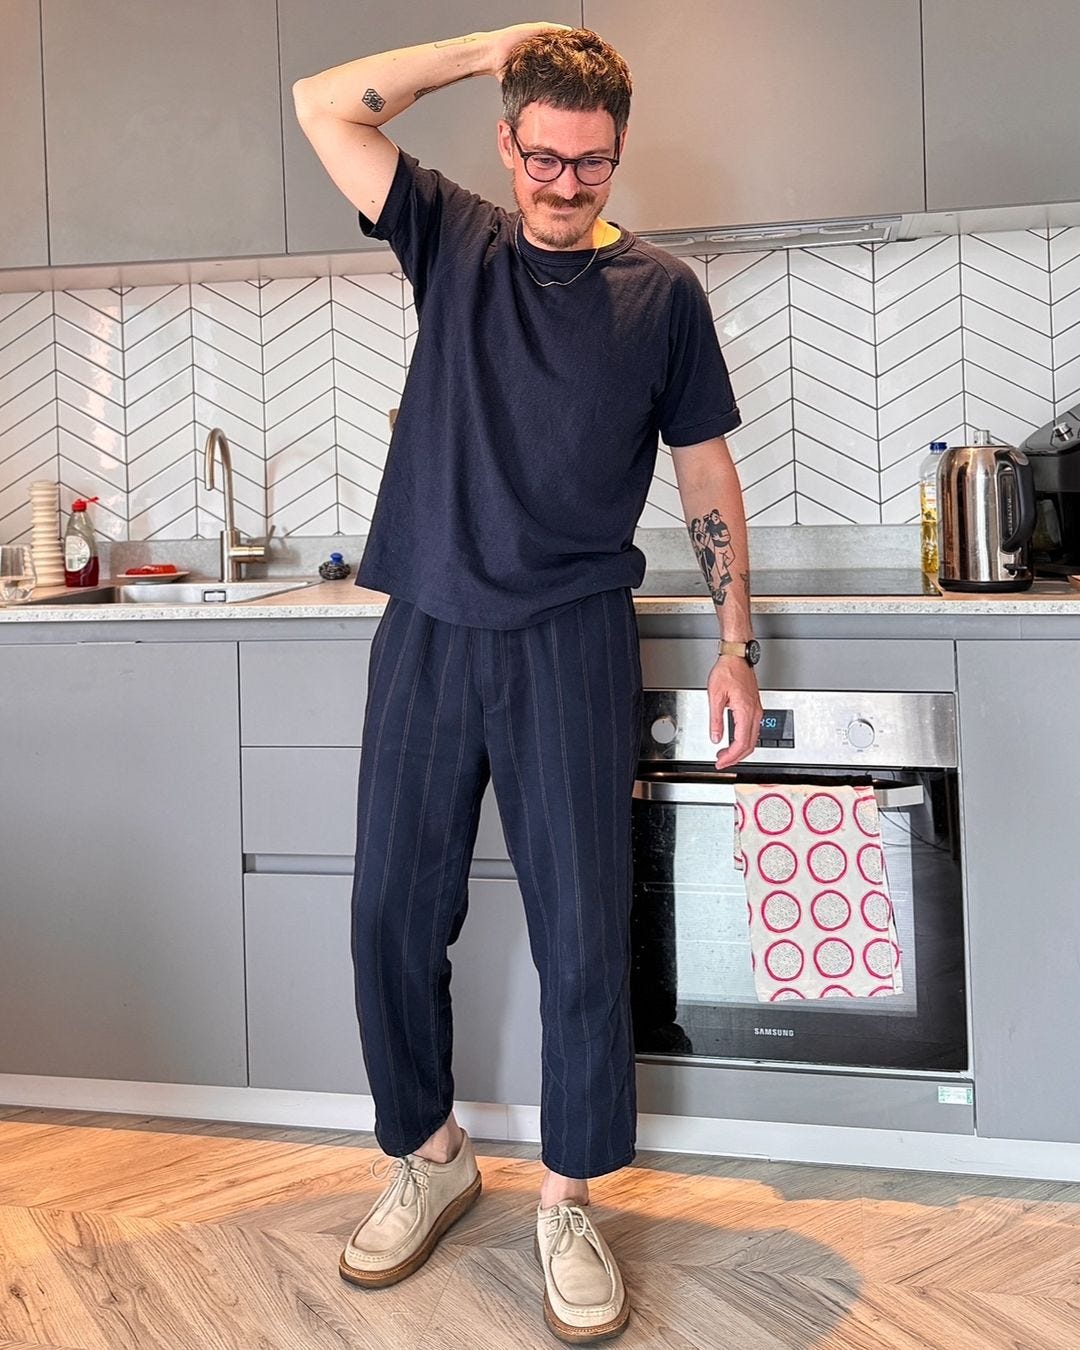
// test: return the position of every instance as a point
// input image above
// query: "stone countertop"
(344, 599)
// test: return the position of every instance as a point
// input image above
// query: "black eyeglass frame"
(526, 155)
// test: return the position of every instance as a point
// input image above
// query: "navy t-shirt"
(527, 433)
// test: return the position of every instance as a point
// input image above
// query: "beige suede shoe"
(584, 1297)
(419, 1204)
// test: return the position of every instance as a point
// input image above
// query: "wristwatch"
(749, 651)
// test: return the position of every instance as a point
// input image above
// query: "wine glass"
(17, 576)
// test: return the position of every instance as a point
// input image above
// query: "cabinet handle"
(723, 794)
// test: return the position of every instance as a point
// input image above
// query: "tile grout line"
(1050, 301)
(962, 290)
(197, 510)
(877, 374)
(334, 406)
(55, 420)
(265, 432)
(791, 392)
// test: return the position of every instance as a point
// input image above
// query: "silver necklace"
(544, 284)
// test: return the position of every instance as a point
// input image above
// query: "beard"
(553, 232)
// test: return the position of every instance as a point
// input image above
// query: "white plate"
(130, 579)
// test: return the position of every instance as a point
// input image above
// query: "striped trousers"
(550, 714)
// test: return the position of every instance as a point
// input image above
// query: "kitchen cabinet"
(302, 706)
(995, 133)
(121, 924)
(782, 110)
(24, 240)
(1020, 745)
(301, 1008)
(302, 713)
(163, 135)
(303, 693)
(452, 130)
(301, 800)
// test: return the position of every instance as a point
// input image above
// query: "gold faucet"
(233, 552)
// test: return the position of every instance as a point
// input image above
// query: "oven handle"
(723, 794)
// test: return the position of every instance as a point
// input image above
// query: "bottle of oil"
(928, 507)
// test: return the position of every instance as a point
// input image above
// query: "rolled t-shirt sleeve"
(697, 403)
(423, 214)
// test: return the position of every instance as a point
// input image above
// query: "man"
(553, 346)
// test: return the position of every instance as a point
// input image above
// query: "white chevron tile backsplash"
(846, 361)
(749, 294)
(28, 435)
(1065, 316)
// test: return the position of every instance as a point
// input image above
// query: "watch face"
(753, 651)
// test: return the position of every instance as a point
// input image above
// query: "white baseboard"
(830, 1144)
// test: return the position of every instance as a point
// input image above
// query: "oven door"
(692, 982)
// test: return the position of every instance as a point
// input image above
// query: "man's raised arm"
(341, 109)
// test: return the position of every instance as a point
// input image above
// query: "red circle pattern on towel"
(821, 921)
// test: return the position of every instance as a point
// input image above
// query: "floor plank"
(133, 1233)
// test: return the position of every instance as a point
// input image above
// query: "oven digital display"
(777, 729)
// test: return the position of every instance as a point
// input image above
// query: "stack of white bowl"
(45, 533)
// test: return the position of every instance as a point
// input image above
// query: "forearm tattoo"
(711, 539)
(453, 42)
(374, 100)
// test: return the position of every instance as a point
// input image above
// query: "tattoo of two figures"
(711, 539)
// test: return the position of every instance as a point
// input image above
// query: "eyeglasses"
(544, 167)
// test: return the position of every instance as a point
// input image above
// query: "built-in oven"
(693, 987)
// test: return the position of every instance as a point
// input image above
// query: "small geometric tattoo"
(374, 100)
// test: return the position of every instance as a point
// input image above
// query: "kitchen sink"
(176, 593)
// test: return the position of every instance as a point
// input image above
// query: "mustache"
(578, 199)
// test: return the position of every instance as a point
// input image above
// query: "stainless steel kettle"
(986, 517)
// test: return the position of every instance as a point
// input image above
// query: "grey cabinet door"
(163, 129)
(1018, 765)
(996, 135)
(452, 130)
(302, 1028)
(301, 1010)
(121, 919)
(780, 110)
(24, 240)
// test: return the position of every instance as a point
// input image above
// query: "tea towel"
(821, 919)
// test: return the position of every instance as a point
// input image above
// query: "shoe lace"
(571, 1221)
(408, 1179)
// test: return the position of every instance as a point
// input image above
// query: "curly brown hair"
(575, 70)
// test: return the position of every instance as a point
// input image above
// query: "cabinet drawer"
(303, 800)
(793, 663)
(303, 693)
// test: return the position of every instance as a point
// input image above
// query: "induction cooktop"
(881, 581)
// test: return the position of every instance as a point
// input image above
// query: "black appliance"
(1054, 455)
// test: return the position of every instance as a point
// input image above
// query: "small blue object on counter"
(335, 569)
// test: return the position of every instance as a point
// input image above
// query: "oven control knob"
(664, 730)
(860, 734)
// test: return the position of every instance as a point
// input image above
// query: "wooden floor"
(119, 1232)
